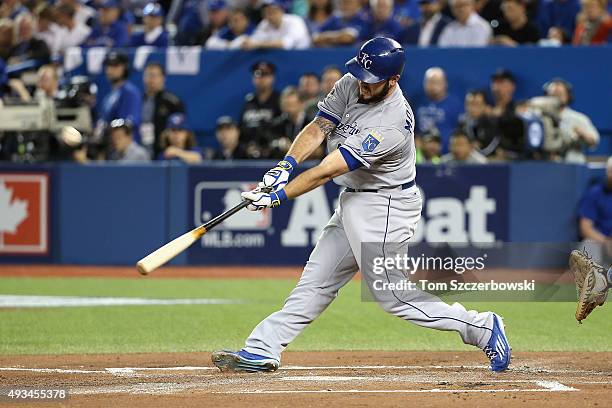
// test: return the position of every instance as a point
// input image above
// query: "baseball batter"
(369, 128)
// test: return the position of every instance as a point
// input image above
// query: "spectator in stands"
(48, 30)
(576, 129)
(123, 101)
(158, 104)
(238, 29)
(558, 13)
(439, 110)
(154, 34)
(468, 29)
(178, 141)
(478, 125)
(7, 38)
(503, 86)
(594, 25)
(261, 108)
(218, 19)
(124, 148)
(74, 32)
(291, 121)
(12, 9)
(228, 136)
(431, 24)
(110, 30)
(490, 10)
(329, 77)
(430, 147)
(319, 12)
(309, 88)
(595, 222)
(189, 17)
(47, 84)
(83, 14)
(383, 22)
(516, 29)
(345, 27)
(27, 47)
(556, 38)
(278, 29)
(462, 151)
(407, 12)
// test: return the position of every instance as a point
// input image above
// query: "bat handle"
(222, 217)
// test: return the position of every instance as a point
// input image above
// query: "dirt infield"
(316, 379)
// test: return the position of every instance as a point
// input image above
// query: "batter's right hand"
(277, 177)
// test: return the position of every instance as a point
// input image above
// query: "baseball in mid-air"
(70, 136)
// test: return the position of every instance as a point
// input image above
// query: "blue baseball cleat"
(243, 361)
(498, 349)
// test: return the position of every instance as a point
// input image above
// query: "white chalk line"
(129, 370)
(433, 391)
(27, 301)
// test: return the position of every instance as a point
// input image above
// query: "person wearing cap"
(122, 102)
(124, 148)
(478, 124)
(383, 23)
(179, 142)
(278, 29)
(218, 18)
(154, 34)
(431, 24)
(260, 110)
(110, 30)
(157, 105)
(74, 32)
(577, 132)
(345, 27)
(516, 29)
(468, 29)
(231, 37)
(503, 86)
(439, 109)
(228, 137)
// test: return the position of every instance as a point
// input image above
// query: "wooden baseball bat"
(162, 255)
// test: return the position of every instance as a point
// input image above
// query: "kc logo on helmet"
(365, 60)
(24, 211)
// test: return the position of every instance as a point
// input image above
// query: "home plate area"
(313, 378)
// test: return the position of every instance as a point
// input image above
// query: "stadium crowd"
(129, 124)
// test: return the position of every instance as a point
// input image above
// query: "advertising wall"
(116, 214)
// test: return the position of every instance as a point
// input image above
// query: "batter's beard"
(376, 98)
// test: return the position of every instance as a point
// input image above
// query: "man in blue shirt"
(383, 23)
(347, 27)
(595, 214)
(154, 34)
(110, 30)
(124, 100)
(439, 110)
(558, 13)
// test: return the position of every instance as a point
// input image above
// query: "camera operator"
(576, 131)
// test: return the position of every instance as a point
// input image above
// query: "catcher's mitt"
(591, 283)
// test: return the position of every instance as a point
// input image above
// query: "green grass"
(348, 324)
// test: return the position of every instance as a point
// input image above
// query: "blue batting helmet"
(378, 59)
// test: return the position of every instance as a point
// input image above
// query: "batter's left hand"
(260, 200)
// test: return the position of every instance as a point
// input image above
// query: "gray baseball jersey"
(367, 226)
(379, 136)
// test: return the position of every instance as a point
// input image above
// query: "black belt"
(373, 190)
